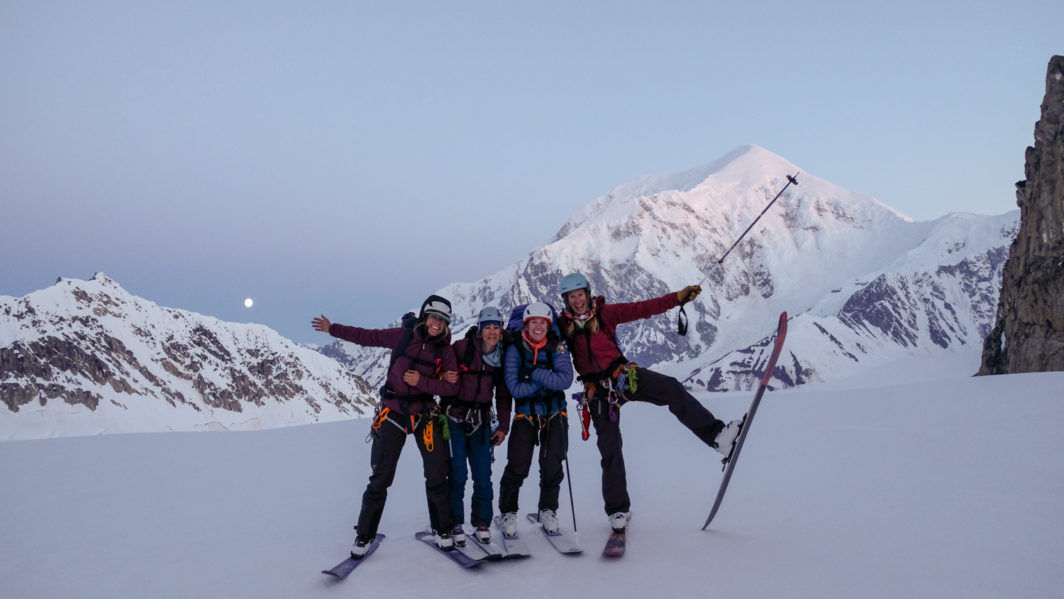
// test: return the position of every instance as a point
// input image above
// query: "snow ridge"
(86, 357)
(863, 283)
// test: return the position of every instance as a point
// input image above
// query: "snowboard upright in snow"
(565, 541)
(733, 456)
(342, 569)
(455, 555)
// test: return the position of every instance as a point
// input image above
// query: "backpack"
(409, 321)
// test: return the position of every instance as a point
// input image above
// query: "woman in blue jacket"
(538, 370)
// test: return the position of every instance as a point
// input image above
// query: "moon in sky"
(248, 303)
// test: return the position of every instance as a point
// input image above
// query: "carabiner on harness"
(426, 434)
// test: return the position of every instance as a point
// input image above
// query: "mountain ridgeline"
(863, 284)
(87, 357)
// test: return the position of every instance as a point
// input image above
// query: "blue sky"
(349, 158)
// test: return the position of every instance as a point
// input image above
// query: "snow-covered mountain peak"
(861, 281)
(730, 191)
(86, 356)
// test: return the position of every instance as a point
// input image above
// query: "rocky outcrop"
(1028, 334)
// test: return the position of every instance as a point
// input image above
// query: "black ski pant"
(657, 389)
(552, 435)
(388, 442)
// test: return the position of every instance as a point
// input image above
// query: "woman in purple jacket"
(408, 406)
(480, 371)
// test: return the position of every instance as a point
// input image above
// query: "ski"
(565, 541)
(733, 455)
(615, 544)
(455, 555)
(514, 547)
(495, 550)
(479, 551)
(342, 569)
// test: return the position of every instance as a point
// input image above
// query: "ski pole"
(790, 180)
(568, 480)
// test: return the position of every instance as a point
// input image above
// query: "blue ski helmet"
(489, 315)
(572, 282)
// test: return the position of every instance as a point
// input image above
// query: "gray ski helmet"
(489, 315)
(572, 282)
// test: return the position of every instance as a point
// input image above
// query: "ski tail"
(347, 566)
(733, 457)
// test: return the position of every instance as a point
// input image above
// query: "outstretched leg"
(662, 390)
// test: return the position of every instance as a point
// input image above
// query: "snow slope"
(914, 481)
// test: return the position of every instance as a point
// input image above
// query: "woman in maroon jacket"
(417, 373)
(480, 371)
(588, 325)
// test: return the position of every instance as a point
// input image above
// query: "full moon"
(248, 303)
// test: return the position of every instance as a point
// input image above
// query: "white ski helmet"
(538, 310)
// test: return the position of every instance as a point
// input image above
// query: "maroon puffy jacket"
(480, 382)
(430, 358)
(594, 352)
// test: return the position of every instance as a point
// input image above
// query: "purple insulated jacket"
(477, 383)
(429, 358)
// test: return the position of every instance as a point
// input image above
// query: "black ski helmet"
(436, 305)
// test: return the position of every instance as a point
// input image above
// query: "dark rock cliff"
(1028, 335)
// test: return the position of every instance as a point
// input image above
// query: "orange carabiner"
(380, 419)
(426, 434)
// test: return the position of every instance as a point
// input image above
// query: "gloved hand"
(688, 293)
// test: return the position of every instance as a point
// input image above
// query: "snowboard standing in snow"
(456, 556)
(564, 541)
(342, 569)
(733, 456)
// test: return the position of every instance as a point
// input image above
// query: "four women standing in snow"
(533, 371)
